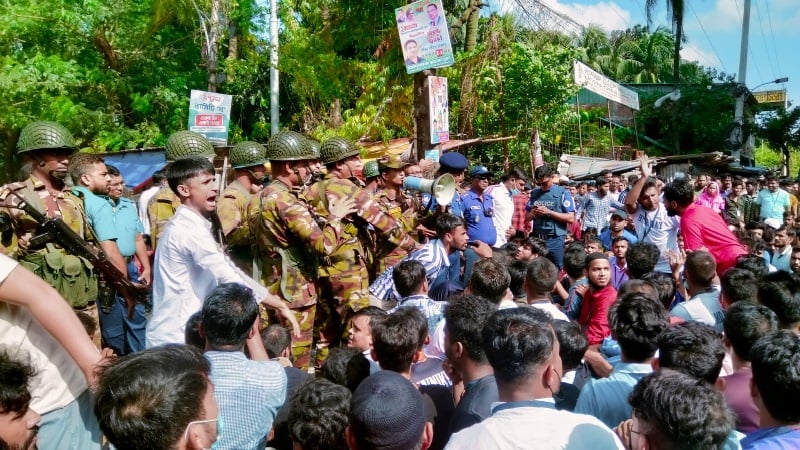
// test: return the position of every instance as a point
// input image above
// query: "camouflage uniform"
(232, 209)
(288, 242)
(160, 209)
(404, 210)
(344, 278)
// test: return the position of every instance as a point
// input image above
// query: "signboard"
(602, 85)
(774, 97)
(439, 116)
(209, 115)
(424, 35)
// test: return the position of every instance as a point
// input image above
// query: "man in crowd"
(158, 398)
(123, 332)
(703, 305)
(503, 194)
(400, 205)
(247, 159)
(552, 208)
(289, 241)
(597, 207)
(19, 424)
(360, 332)
(781, 257)
(158, 181)
(248, 391)
(479, 208)
(523, 351)
(653, 224)
(772, 201)
(617, 228)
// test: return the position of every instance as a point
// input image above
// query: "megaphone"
(442, 188)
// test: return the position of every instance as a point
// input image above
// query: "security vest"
(552, 199)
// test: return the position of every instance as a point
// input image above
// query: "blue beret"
(453, 161)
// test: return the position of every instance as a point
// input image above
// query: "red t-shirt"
(701, 227)
(594, 313)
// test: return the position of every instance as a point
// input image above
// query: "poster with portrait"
(439, 111)
(424, 35)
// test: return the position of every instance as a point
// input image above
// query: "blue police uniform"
(557, 199)
(478, 215)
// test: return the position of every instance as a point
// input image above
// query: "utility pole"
(738, 139)
(274, 118)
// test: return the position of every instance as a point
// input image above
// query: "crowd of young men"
(503, 317)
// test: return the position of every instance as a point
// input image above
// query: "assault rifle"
(58, 231)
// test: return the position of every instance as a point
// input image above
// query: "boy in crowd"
(360, 333)
(593, 318)
(619, 220)
(19, 424)
(745, 324)
(591, 244)
(642, 258)
(572, 345)
(779, 291)
(619, 263)
(575, 267)
(737, 285)
(540, 278)
(636, 321)
(703, 305)
(517, 270)
(409, 280)
(318, 416)
(490, 279)
(465, 317)
(776, 391)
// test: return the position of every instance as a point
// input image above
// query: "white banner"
(602, 85)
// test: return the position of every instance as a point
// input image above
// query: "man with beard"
(701, 227)
(773, 202)
(288, 239)
(19, 424)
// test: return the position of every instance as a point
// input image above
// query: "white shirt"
(536, 427)
(58, 380)
(144, 199)
(188, 265)
(658, 228)
(551, 309)
(503, 211)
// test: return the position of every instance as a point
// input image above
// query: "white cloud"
(608, 15)
(690, 52)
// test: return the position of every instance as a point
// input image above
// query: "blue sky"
(713, 30)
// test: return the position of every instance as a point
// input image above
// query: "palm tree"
(648, 57)
(592, 45)
(675, 9)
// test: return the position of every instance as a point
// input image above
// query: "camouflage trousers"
(301, 346)
(339, 298)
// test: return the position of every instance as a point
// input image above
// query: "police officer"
(343, 273)
(455, 164)
(181, 144)
(399, 204)
(288, 240)
(46, 147)
(247, 159)
(551, 207)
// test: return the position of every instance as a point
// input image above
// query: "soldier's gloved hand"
(341, 208)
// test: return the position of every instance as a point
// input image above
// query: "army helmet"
(371, 169)
(336, 149)
(288, 146)
(184, 144)
(42, 135)
(247, 154)
(314, 145)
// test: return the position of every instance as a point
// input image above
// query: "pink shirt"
(594, 313)
(701, 227)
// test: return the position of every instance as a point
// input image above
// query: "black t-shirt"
(475, 404)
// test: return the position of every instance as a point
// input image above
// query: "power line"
(764, 40)
(772, 34)
(713, 48)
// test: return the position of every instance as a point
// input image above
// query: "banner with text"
(600, 84)
(209, 115)
(424, 35)
(439, 112)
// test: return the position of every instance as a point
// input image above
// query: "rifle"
(58, 231)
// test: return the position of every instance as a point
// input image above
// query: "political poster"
(209, 115)
(599, 84)
(439, 112)
(424, 35)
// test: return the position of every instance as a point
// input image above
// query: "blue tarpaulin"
(137, 166)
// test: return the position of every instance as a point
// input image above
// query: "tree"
(782, 132)
(648, 56)
(675, 9)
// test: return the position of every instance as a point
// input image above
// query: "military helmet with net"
(288, 146)
(247, 154)
(336, 149)
(371, 169)
(185, 144)
(43, 135)
(314, 145)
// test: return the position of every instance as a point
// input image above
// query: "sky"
(713, 30)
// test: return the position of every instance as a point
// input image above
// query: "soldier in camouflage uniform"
(343, 273)
(400, 205)
(46, 147)
(247, 159)
(288, 240)
(181, 144)
(372, 175)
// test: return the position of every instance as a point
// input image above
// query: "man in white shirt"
(522, 348)
(540, 278)
(503, 194)
(189, 262)
(653, 224)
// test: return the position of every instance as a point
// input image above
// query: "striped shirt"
(432, 256)
(597, 211)
(249, 394)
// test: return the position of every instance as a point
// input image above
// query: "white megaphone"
(442, 188)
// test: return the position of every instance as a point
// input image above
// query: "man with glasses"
(552, 208)
(479, 208)
(161, 397)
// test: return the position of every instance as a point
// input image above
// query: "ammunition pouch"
(72, 276)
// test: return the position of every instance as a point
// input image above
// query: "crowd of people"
(327, 306)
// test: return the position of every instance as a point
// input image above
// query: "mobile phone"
(473, 244)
